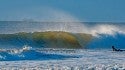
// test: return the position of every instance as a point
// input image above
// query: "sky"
(63, 10)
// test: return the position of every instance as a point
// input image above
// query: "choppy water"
(68, 59)
(27, 53)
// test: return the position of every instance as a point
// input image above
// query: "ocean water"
(20, 51)
(61, 59)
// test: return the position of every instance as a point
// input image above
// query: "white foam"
(90, 60)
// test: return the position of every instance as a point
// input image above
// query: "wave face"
(51, 39)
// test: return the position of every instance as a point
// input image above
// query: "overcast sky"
(63, 10)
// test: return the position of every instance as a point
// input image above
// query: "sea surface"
(61, 59)
(19, 52)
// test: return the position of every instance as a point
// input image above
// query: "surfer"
(114, 49)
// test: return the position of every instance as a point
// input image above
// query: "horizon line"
(64, 21)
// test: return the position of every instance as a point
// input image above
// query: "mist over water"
(49, 19)
(75, 27)
(53, 19)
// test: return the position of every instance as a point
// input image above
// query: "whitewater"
(61, 59)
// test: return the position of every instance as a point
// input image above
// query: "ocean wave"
(26, 53)
(65, 35)
(105, 41)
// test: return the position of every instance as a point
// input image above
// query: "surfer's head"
(113, 47)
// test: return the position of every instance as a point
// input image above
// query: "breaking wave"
(105, 41)
(104, 34)
(28, 53)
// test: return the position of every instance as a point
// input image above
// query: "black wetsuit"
(114, 49)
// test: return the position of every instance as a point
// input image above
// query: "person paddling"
(114, 49)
